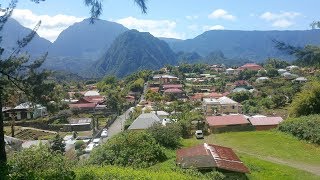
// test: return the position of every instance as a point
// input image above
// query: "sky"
(182, 19)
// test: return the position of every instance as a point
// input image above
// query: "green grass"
(261, 169)
(265, 143)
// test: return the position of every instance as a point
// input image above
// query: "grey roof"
(144, 121)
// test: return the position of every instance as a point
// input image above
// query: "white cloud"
(158, 28)
(221, 14)
(194, 17)
(280, 20)
(215, 27)
(193, 27)
(51, 26)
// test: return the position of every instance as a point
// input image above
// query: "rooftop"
(92, 93)
(210, 156)
(144, 121)
(226, 120)
(264, 121)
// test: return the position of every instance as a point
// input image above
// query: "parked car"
(96, 141)
(90, 147)
(199, 134)
(104, 133)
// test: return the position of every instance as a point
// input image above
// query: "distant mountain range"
(251, 45)
(108, 48)
(13, 31)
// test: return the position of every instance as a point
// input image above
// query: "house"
(200, 96)
(161, 114)
(250, 66)
(222, 105)
(281, 71)
(265, 123)
(25, 110)
(290, 68)
(144, 121)
(228, 123)
(300, 80)
(288, 75)
(210, 156)
(262, 79)
(239, 89)
(171, 86)
(163, 79)
(230, 71)
(92, 93)
(78, 124)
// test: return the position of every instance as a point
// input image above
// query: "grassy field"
(262, 151)
(265, 144)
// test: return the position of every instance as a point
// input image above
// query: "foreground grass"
(261, 169)
(265, 144)
(114, 172)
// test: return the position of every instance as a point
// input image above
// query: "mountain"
(251, 45)
(81, 44)
(132, 51)
(188, 57)
(13, 31)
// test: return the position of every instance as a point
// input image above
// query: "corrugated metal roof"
(144, 121)
(264, 121)
(226, 120)
(210, 156)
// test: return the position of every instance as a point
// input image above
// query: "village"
(204, 99)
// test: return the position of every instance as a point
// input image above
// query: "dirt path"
(314, 169)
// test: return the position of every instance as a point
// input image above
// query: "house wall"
(262, 128)
(231, 128)
(225, 109)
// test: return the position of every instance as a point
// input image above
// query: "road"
(118, 125)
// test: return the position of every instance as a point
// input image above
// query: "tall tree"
(16, 72)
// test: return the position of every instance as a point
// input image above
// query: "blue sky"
(174, 18)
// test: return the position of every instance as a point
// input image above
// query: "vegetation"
(137, 149)
(307, 101)
(39, 163)
(167, 136)
(58, 145)
(265, 144)
(304, 127)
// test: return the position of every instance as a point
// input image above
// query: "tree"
(132, 148)
(307, 101)
(18, 73)
(39, 162)
(58, 145)
(167, 136)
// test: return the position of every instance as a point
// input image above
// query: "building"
(200, 96)
(78, 124)
(210, 156)
(228, 123)
(230, 71)
(250, 66)
(262, 79)
(164, 79)
(300, 80)
(144, 121)
(222, 105)
(265, 123)
(25, 110)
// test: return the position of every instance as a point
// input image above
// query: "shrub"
(304, 127)
(132, 148)
(167, 136)
(39, 163)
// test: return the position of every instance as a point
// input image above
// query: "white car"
(96, 141)
(90, 147)
(199, 134)
(104, 133)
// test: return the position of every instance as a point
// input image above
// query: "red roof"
(209, 155)
(170, 86)
(83, 106)
(226, 120)
(173, 90)
(94, 99)
(264, 121)
(250, 66)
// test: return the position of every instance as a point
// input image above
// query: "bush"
(132, 148)
(167, 136)
(79, 144)
(39, 163)
(304, 127)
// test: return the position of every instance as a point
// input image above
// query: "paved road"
(118, 125)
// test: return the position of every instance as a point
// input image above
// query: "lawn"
(271, 144)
